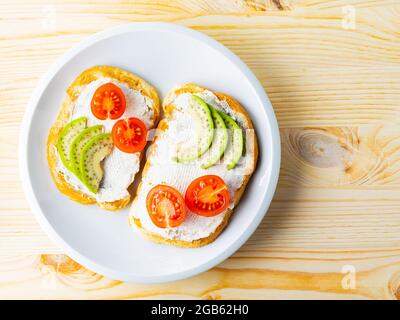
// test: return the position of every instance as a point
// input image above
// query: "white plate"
(165, 55)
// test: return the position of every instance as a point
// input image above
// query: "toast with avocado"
(203, 155)
(95, 146)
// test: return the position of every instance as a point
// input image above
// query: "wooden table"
(332, 72)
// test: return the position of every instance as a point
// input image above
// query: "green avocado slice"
(219, 142)
(234, 150)
(79, 143)
(204, 127)
(95, 150)
(67, 135)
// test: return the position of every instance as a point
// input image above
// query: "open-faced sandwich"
(197, 168)
(95, 146)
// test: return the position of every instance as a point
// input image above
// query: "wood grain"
(334, 84)
(58, 277)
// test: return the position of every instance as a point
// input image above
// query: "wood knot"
(61, 269)
(319, 148)
(335, 156)
(60, 263)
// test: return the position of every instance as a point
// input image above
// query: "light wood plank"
(58, 277)
(298, 64)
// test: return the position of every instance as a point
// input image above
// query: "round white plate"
(165, 55)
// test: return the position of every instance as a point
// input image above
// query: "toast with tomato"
(203, 155)
(95, 146)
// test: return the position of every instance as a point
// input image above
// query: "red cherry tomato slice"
(165, 206)
(129, 135)
(207, 196)
(108, 102)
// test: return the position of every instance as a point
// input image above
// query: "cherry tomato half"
(129, 135)
(108, 102)
(207, 196)
(165, 206)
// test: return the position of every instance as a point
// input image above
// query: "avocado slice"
(67, 135)
(204, 127)
(234, 150)
(79, 143)
(95, 150)
(219, 142)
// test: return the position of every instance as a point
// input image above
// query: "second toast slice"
(166, 166)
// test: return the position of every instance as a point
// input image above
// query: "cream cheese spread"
(164, 170)
(119, 167)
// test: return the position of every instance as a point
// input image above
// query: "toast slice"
(195, 231)
(71, 106)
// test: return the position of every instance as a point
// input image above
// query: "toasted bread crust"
(73, 92)
(168, 108)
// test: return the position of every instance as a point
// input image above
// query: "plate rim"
(27, 123)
